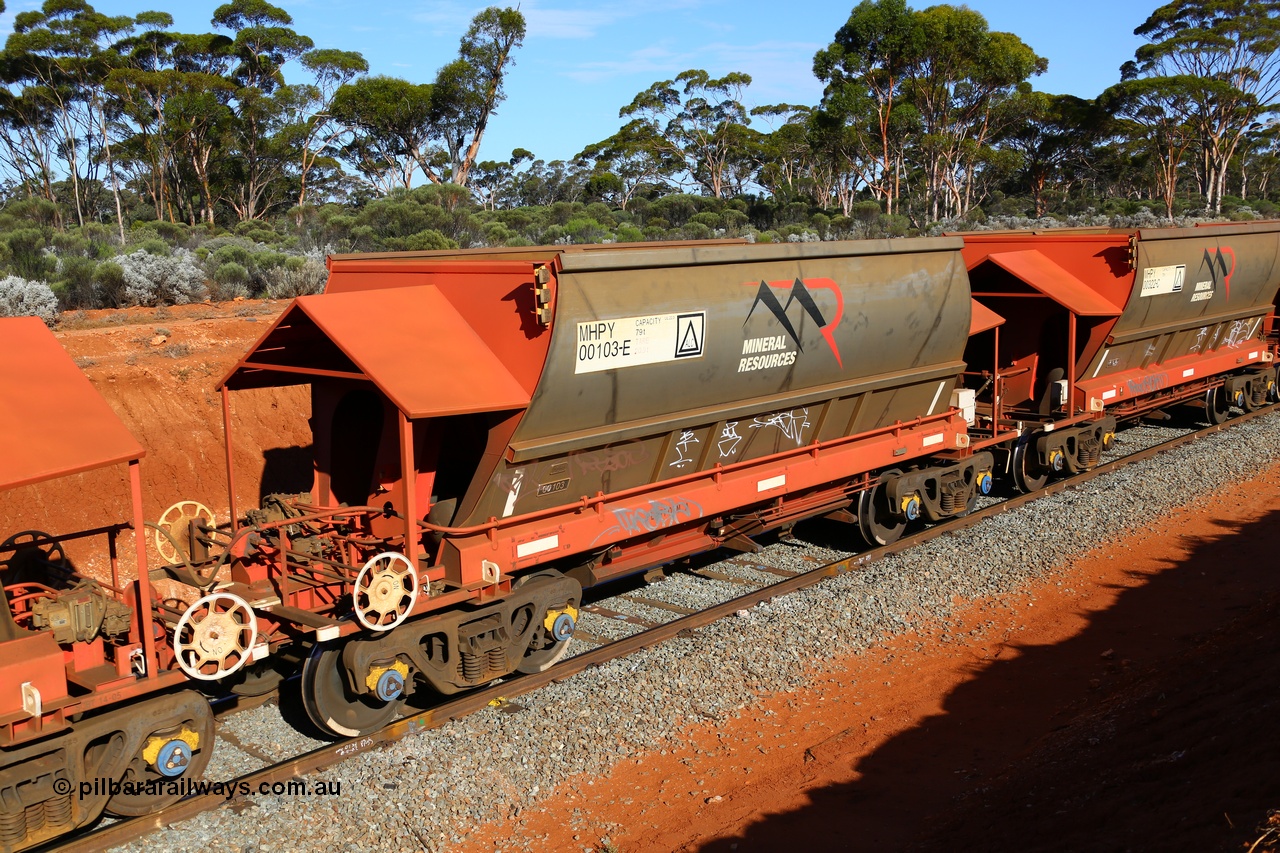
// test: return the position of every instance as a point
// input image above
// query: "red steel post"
(226, 440)
(1071, 364)
(144, 578)
(409, 478)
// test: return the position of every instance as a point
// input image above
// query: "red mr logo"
(1219, 268)
(800, 291)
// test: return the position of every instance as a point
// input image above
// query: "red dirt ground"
(1127, 704)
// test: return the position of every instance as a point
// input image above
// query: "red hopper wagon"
(495, 430)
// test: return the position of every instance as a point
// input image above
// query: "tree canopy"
(244, 153)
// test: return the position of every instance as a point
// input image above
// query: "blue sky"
(583, 60)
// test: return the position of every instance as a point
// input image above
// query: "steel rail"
(323, 757)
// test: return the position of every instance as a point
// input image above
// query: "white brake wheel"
(176, 520)
(215, 636)
(385, 591)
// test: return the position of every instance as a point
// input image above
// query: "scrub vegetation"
(144, 166)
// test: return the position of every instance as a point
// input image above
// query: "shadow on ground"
(1154, 728)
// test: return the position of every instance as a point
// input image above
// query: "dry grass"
(77, 320)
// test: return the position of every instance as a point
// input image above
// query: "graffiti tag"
(790, 424)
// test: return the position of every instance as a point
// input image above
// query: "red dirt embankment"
(163, 390)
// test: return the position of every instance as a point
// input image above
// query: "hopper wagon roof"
(982, 318)
(410, 342)
(53, 422)
(1040, 272)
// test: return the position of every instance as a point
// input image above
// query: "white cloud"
(446, 17)
(656, 61)
(569, 23)
(779, 70)
(586, 21)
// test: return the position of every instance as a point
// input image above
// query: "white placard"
(771, 483)
(633, 341)
(1157, 280)
(537, 546)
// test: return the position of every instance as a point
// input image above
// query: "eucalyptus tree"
(962, 79)
(857, 148)
(702, 121)
(27, 142)
(1053, 135)
(786, 154)
(537, 182)
(202, 125)
(1258, 158)
(1160, 111)
(490, 182)
(59, 55)
(635, 157)
(140, 85)
(312, 124)
(1219, 61)
(173, 91)
(388, 127)
(468, 90)
(262, 42)
(864, 69)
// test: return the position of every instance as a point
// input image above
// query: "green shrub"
(424, 241)
(232, 253)
(26, 254)
(75, 284)
(628, 233)
(154, 246)
(108, 277)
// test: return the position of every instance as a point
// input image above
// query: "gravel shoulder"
(595, 756)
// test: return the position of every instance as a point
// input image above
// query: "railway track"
(281, 773)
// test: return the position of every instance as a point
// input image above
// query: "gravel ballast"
(428, 790)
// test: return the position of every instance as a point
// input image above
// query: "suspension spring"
(472, 666)
(497, 660)
(57, 811)
(1089, 453)
(13, 828)
(35, 817)
(950, 500)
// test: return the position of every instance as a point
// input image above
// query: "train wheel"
(551, 638)
(329, 702)
(1028, 476)
(876, 521)
(1216, 405)
(167, 755)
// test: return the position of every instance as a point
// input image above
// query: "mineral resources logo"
(763, 352)
(1221, 263)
